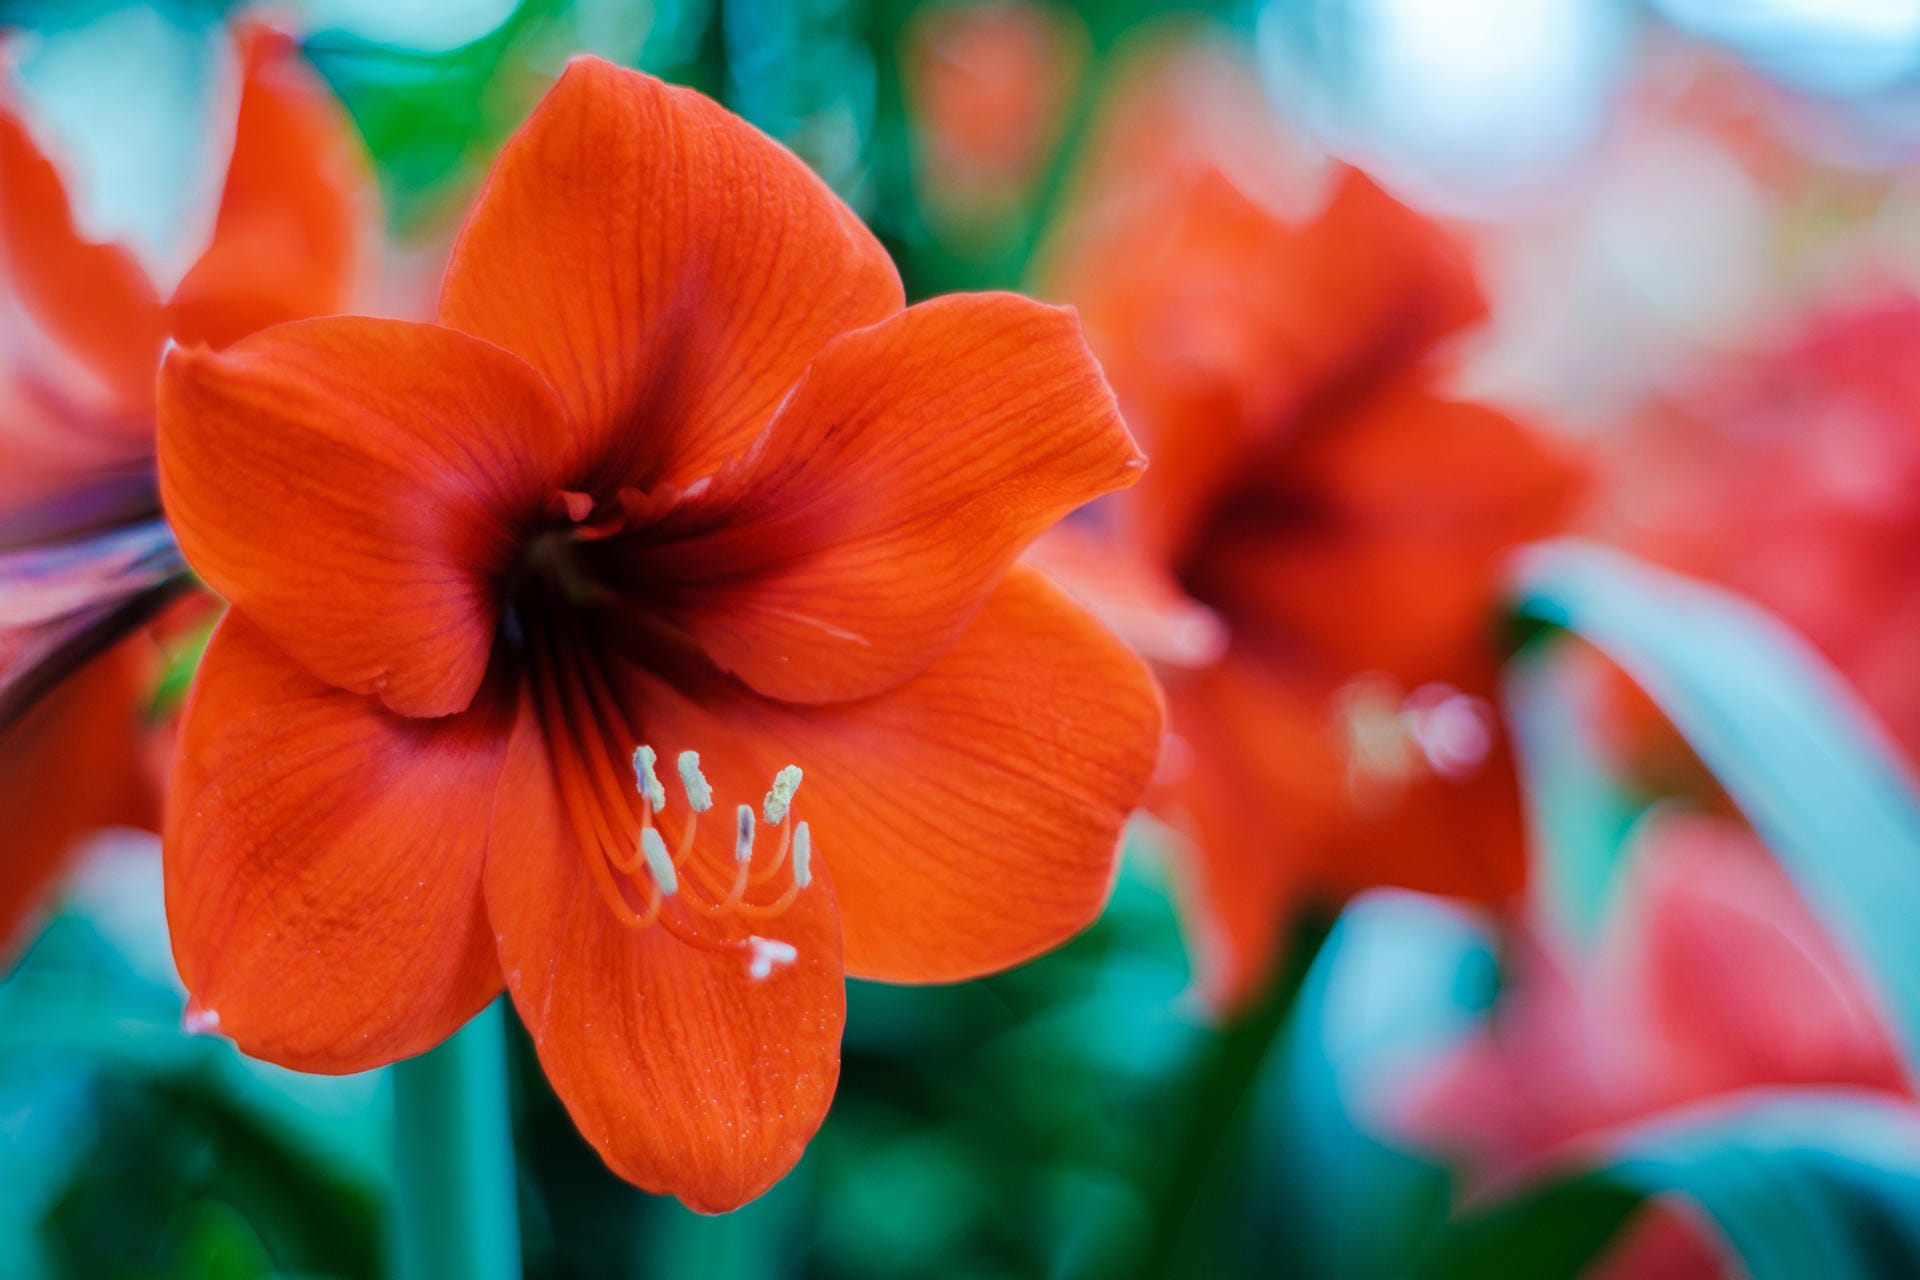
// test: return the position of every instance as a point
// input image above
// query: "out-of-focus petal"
(72, 764)
(1382, 542)
(287, 241)
(92, 299)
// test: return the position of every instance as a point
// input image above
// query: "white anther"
(802, 856)
(785, 783)
(654, 850)
(644, 758)
(699, 794)
(743, 833)
(768, 954)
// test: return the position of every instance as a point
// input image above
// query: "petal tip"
(199, 1020)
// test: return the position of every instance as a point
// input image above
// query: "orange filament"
(610, 817)
(744, 876)
(779, 858)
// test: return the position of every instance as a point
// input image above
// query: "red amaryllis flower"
(675, 478)
(85, 556)
(1316, 560)
(1711, 975)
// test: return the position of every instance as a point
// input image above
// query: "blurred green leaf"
(1795, 748)
(1399, 974)
(1801, 1182)
(433, 119)
(1551, 1232)
(1579, 811)
(1215, 1101)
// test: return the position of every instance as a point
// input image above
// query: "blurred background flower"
(1501, 912)
(159, 182)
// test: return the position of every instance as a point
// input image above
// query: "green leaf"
(1551, 1232)
(1800, 1182)
(1795, 748)
(1580, 813)
(1400, 974)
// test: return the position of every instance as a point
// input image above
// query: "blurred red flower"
(988, 86)
(1792, 475)
(1712, 975)
(1316, 556)
(675, 470)
(85, 557)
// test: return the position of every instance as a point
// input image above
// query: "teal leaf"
(1798, 1181)
(1579, 811)
(1814, 772)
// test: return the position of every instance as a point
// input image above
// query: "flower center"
(1392, 739)
(648, 867)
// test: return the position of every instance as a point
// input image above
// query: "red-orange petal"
(359, 489)
(1259, 284)
(1248, 787)
(971, 816)
(323, 863)
(858, 537)
(690, 1077)
(1395, 557)
(92, 299)
(1278, 817)
(287, 241)
(73, 763)
(667, 266)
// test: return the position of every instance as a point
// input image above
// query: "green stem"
(454, 1203)
(1220, 1095)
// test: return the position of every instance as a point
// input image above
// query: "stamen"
(654, 850)
(767, 954)
(644, 758)
(785, 783)
(743, 834)
(699, 794)
(771, 867)
(802, 856)
(742, 862)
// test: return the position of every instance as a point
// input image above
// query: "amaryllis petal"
(917, 459)
(323, 863)
(1383, 543)
(92, 299)
(360, 489)
(1291, 793)
(690, 1075)
(670, 268)
(287, 239)
(56, 449)
(71, 764)
(1284, 320)
(1243, 786)
(1722, 976)
(1133, 594)
(971, 816)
